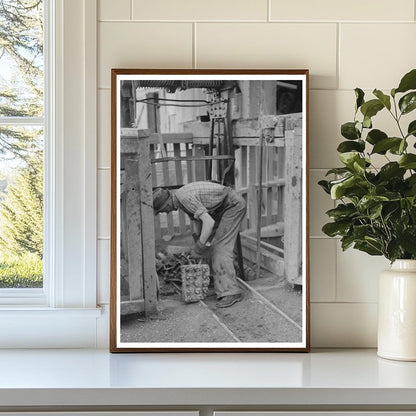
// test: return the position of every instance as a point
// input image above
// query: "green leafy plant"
(376, 210)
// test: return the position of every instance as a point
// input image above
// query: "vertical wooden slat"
(123, 225)
(152, 112)
(245, 224)
(281, 189)
(270, 177)
(199, 165)
(134, 227)
(189, 175)
(252, 192)
(275, 199)
(179, 181)
(167, 182)
(238, 167)
(158, 231)
(244, 166)
(150, 277)
(293, 205)
(189, 170)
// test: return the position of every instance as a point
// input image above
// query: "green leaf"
(359, 95)
(338, 171)
(408, 161)
(346, 242)
(342, 211)
(359, 165)
(369, 201)
(349, 131)
(371, 108)
(349, 146)
(400, 148)
(325, 186)
(407, 239)
(385, 99)
(393, 250)
(333, 229)
(375, 212)
(375, 136)
(361, 231)
(348, 158)
(411, 130)
(391, 170)
(351, 187)
(368, 248)
(367, 122)
(408, 82)
(408, 102)
(383, 145)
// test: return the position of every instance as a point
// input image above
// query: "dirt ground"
(271, 311)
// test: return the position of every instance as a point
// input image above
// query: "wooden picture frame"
(244, 135)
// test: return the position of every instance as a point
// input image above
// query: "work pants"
(222, 245)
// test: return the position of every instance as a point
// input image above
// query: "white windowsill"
(36, 312)
(323, 378)
(40, 327)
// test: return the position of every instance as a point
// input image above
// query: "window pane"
(21, 209)
(21, 58)
(21, 146)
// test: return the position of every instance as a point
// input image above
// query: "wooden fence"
(281, 213)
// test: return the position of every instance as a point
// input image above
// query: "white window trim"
(65, 312)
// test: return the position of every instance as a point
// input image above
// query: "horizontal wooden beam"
(129, 307)
(270, 261)
(248, 236)
(171, 138)
(242, 141)
(190, 158)
(268, 231)
(133, 133)
(129, 142)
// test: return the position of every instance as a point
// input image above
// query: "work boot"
(229, 300)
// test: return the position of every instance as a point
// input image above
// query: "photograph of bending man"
(216, 213)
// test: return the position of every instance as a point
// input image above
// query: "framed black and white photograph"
(209, 211)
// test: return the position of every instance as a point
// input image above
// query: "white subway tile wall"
(322, 269)
(366, 51)
(352, 10)
(142, 45)
(104, 202)
(114, 10)
(201, 10)
(319, 203)
(270, 45)
(103, 270)
(345, 44)
(104, 128)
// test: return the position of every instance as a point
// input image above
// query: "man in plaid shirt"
(216, 212)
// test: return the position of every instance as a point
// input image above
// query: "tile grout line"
(338, 63)
(342, 303)
(226, 21)
(336, 272)
(269, 10)
(194, 62)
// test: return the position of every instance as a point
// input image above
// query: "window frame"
(70, 207)
(37, 296)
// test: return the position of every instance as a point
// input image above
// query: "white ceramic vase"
(397, 312)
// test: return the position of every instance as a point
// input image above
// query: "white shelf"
(57, 378)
